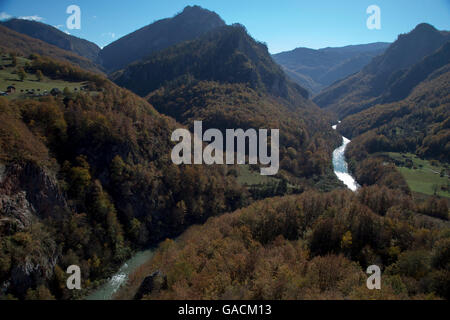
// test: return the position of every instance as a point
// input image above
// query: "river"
(340, 165)
(108, 289)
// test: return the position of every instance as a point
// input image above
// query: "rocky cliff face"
(28, 194)
(28, 191)
(16, 212)
(36, 267)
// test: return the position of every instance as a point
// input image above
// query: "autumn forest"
(87, 180)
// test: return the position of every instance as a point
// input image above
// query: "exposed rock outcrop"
(34, 268)
(151, 284)
(29, 193)
(27, 189)
(16, 213)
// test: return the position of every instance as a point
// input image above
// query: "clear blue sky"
(282, 24)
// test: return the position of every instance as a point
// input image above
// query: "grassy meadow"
(429, 177)
(9, 77)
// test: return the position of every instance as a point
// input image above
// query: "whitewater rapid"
(108, 289)
(341, 167)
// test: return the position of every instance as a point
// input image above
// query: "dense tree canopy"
(312, 246)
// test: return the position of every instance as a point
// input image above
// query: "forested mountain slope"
(85, 178)
(311, 246)
(419, 124)
(405, 144)
(227, 54)
(12, 41)
(55, 37)
(229, 80)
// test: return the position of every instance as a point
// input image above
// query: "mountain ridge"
(192, 22)
(12, 41)
(54, 36)
(226, 54)
(363, 89)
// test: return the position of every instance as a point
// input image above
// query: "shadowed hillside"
(189, 24)
(227, 54)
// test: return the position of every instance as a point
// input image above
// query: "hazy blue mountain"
(388, 73)
(317, 69)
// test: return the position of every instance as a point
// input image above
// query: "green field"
(429, 177)
(250, 177)
(9, 77)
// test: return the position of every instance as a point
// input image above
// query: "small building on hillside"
(11, 89)
(55, 91)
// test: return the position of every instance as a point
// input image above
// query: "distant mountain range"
(390, 76)
(197, 42)
(317, 69)
(311, 69)
(192, 22)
